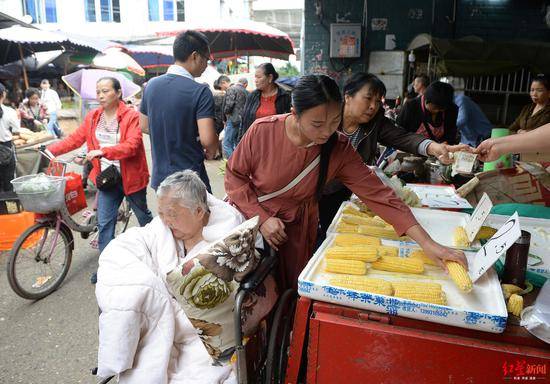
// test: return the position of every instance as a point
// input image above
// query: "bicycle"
(41, 257)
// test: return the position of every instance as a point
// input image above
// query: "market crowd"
(293, 156)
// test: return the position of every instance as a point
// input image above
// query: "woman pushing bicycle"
(115, 149)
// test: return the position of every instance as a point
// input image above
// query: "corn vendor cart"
(346, 334)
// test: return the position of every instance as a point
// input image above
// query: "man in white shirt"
(53, 104)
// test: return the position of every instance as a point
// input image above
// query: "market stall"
(372, 305)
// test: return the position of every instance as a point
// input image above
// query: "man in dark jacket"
(235, 99)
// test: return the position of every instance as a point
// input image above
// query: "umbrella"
(114, 58)
(83, 83)
(232, 38)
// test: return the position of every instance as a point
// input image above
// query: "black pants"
(328, 206)
(7, 172)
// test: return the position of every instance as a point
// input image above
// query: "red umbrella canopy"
(232, 38)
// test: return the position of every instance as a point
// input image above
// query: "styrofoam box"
(482, 309)
(540, 240)
(440, 225)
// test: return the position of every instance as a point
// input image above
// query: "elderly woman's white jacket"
(143, 333)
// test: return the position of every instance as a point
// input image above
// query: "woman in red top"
(276, 149)
(268, 99)
(113, 137)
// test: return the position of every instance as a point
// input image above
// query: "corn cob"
(388, 251)
(485, 233)
(348, 240)
(352, 253)
(459, 275)
(419, 254)
(460, 239)
(515, 304)
(352, 267)
(399, 264)
(383, 223)
(418, 291)
(510, 289)
(362, 207)
(387, 232)
(349, 210)
(358, 220)
(366, 284)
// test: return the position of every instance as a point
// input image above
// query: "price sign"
(495, 247)
(478, 217)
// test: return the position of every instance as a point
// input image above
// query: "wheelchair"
(263, 358)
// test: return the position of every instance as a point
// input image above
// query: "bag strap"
(294, 182)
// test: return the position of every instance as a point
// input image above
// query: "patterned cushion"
(206, 285)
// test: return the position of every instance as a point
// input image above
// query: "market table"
(356, 346)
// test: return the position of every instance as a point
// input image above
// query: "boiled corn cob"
(352, 267)
(387, 232)
(384, 250)
(366, 284)
(460, 239)
(510, 289)
(459, 275)
(350, 210)
(419, 291)
(348, 240)
(485, 233)
(419, 254)
(381, 221)
(352, 253)
(515, 304)
(359, 220)
(399, 264)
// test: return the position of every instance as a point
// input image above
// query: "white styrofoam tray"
(482, 309)
(439, 196)
(440, 225)
(540, 240)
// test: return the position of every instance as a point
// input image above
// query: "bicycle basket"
(40, 193)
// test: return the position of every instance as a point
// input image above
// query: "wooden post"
(25, 78)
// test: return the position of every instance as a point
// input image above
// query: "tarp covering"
(472, 56)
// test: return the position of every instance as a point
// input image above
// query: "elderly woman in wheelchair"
(167, 291)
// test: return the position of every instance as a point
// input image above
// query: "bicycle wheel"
(39, 261)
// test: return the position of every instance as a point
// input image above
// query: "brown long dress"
(266, 161)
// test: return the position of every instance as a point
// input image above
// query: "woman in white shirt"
(9, 123)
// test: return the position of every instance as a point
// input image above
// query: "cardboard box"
(529, 183)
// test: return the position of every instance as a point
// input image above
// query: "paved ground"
(55, 340)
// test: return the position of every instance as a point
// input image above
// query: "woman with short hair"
(433, 114)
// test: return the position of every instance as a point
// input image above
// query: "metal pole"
(25, 78)
(505, 112)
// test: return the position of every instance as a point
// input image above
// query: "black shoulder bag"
(110, 177)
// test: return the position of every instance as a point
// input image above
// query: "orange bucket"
(12, 226)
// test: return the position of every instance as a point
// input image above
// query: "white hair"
(187, 187)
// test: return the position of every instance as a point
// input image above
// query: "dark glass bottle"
(516, 261)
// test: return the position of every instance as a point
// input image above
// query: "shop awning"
(17, 41)
(474, 56)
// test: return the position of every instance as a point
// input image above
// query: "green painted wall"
(489, 19)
